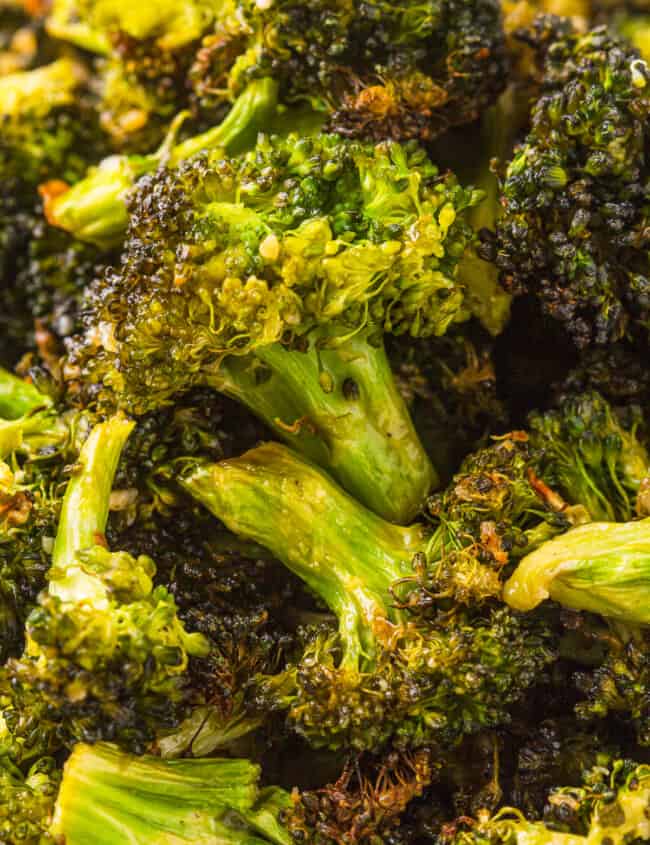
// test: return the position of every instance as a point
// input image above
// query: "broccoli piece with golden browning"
(106, 654)
(385, 675)
(374, 69)
(272, 278)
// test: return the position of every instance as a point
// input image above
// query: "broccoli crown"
(382, 676)
(381, 70)
(225, 256)
(423, 685)
(48, 125)
(27, 802)
(113, 668)
(574, 227)
(591, 457)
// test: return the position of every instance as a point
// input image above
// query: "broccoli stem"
(343, 552)
(19, 397)
(109, 797)
(339, 407)
(84, 510)
(602, 567)
(95, 209)
(250, 112)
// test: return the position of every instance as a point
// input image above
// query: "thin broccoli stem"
(250, 113)
(19, 397)
(84, 511)
(110, 797)
(340, 407)
(95, 209)
(343, 552)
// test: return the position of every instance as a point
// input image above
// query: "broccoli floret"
(384, 675)
(574, 226)
(109, 796)
(378, 70)
(590, 457)
(27, 802)
(375, 70)
(272, 277)
(619, 686)
(379, 73)
(106, 654)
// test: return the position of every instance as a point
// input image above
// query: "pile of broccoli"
(324, 422)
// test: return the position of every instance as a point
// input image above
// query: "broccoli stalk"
(110, 797)
(95, 209)
(341, 408)
(602, 567)
(383, 675)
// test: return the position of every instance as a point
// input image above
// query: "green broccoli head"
(273, 277)
(618, 687)
(27, 802)
(385, 674)
(47, 124)
(226, 256)
(574, 224)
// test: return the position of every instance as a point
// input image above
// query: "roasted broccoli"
(49, 129)
(373, 69)
(272, 278)
(384, 675)
(106, 654)
(574, 224)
